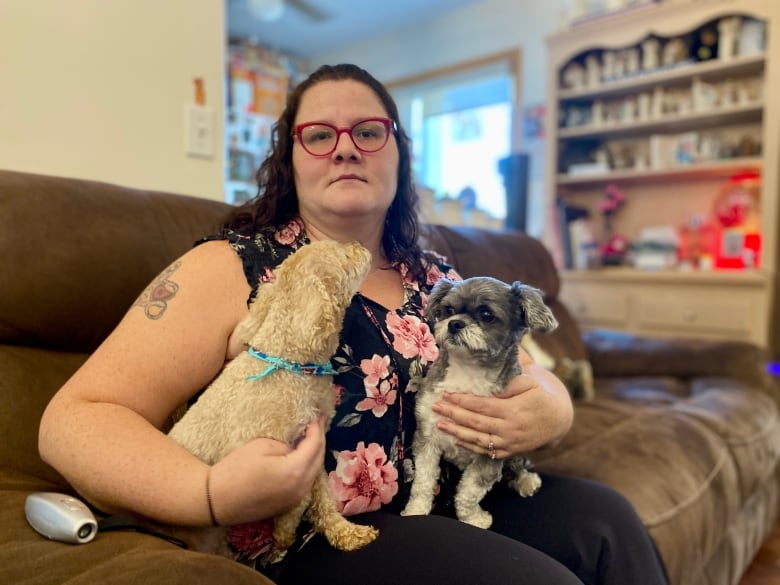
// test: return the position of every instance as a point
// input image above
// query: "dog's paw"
(527, 484)
(348, 536)
(479, 518)
(414, 508)
(284, 537)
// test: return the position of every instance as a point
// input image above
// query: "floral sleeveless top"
(368, 455)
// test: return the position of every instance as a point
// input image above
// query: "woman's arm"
(534, 411)
(103, 429)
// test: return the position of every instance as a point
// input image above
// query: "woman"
(339, 169)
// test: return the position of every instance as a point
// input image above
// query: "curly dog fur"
(296, 317)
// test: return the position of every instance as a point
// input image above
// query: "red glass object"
(738, 241)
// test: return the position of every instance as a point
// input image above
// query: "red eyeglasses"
(369, 135)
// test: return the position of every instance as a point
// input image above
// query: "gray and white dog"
(478, 324)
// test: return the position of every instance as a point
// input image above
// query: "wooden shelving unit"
(735, 304)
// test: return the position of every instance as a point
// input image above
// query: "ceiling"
(345, 22)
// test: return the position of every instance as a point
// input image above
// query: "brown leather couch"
(688, 431)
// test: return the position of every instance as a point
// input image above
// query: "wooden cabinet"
(705, 305)
(666, 102)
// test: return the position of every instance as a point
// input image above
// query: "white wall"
(481, 29)
(96, 89)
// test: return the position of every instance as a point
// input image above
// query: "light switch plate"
(199, 134)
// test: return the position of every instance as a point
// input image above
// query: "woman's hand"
(534, 410)
(265, 478)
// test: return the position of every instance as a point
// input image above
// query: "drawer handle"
(689, 315)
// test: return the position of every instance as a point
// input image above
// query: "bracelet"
(208, 499)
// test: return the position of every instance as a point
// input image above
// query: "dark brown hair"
(277, 201)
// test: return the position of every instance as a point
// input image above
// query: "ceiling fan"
(272, 10)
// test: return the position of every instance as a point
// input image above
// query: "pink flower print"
(267, 275)
(412, 337)
(375, 369)
(287, 235)
(433, 275)
(379, 397)
(253, 538)
(363, 479)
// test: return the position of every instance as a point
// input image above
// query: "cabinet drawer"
(596, 305)
(696, 313)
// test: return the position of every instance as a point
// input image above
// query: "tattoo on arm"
(154, 299)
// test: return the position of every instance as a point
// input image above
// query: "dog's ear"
(534, 313)
(258, 310)
(438, 293)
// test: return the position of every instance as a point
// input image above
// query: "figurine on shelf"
(675, 51)
(752, 37)
(728, 34)
(657, 110)
(573, 76)
(593, 69)
(697, 243)
(705, 95)
(598, 113)
(631, 58)
(619, 66)
(644, 106)
(608, 66)
(651, 51)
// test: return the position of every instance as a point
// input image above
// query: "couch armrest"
(617, 354)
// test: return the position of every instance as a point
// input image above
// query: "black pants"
(572, 531)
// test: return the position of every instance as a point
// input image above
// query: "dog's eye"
(447, 311)
(486, 315)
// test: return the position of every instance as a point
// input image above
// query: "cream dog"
(478, 325)
(284, 379)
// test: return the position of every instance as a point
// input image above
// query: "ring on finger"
(491, 447)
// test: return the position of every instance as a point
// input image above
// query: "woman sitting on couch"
(339, 169)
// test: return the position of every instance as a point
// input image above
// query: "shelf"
(733, 304)
(721, 116)
(634, 275)
(713, 169)
(747, 65)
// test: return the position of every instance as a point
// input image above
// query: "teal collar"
(277, 363)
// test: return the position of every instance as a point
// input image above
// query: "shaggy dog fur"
(576, 375)
(296, 317)
(478, 325)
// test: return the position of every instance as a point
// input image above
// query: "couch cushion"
(476, 252)
(97, 245)
(29, 379)
(687, 456)
(113, 557)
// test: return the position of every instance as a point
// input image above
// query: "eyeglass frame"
(391, 127)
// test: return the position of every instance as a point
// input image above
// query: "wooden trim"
(512, 56)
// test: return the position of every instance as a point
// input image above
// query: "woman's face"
(347, 183)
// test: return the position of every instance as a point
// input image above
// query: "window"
(461, 121)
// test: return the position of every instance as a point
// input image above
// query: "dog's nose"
(455, 325)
